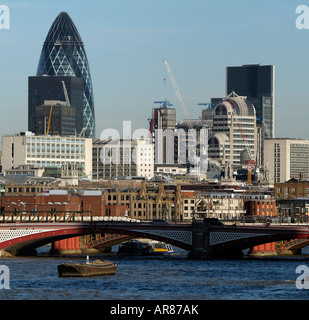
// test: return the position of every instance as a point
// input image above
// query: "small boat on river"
(139, 248)
(161, 247)
(95, 268)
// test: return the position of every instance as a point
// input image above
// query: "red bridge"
(209, 238)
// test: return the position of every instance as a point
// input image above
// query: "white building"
(286, 158)
(47, 151)
(144, 159)
(234, 132)
(122, 158)
(171, 169)
(221, 204)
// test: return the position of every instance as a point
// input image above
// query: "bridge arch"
(23, 239)
(26, 242)
(225, 239)
(108, 241)
(295, 244)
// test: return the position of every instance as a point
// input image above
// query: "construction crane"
(152, 121)
(210, 106)
(51, 107)
(66, 95)
(178, 95)
(206, 104)
(164, 103)
(176, 89)
(82, 132)
(49, 119)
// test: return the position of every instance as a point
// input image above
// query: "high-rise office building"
(44, 88)
(162, 124)
(63, 54)
(256, 82)
(286, 158)
(55, 118)
(233, 139)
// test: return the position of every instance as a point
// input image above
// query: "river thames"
(173, 278)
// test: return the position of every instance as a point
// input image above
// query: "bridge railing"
(275, 220)
(43, 216)
(57, 217)
(86, 216)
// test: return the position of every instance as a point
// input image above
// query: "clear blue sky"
(126, 42)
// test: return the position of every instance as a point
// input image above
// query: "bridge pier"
(201, 244)
(5, 254)
(66, 246)
(74, 246)
(273, 249)
(17, 253)
(266, 249)
(200, 240)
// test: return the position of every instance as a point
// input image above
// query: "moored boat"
(137, 248)
(95, 268)
(140, 248)
(161, 247)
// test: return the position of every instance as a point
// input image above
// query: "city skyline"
(126, 44)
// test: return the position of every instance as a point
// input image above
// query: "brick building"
(293, 198)
(143, 201)
(53, 200)
(147, 202)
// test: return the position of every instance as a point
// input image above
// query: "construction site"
(228, 134)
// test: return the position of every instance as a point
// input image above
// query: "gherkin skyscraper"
(63, 54)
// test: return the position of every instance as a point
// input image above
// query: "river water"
(149, 278)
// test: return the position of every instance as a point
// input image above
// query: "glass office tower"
(63, 54)
(44, 88)
(62, 119)
(256, 82)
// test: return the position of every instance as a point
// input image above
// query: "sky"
(126, 42)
